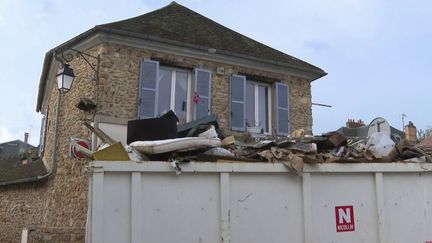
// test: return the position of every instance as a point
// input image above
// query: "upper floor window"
(164, 88)
(173, 92)
(251, 106)
(257, 106)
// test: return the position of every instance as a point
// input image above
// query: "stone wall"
(66, 202)
(26, 206)
(21, 206)
(57, 209)
(119, 82)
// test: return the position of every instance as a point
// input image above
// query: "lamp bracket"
(85, 56)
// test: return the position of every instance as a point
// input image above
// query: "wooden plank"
(102, 135)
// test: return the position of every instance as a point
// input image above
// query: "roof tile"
(178, 23)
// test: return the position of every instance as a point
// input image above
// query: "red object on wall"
(344, 218)
(72, 150)
(196, 98)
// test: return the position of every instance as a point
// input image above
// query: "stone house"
(15, 149)
(171, 58)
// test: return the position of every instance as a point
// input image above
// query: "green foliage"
(30, 155)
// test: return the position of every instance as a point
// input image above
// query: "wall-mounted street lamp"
(92, 61)
(65, 77)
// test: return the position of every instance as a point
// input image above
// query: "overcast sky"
(377, 53)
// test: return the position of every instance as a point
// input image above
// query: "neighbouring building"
(358, 130)
(171, 58)
(15, 149)
(19, 161)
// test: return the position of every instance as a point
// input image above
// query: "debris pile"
(203, 140)
(425, 145)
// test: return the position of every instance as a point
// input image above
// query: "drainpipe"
(55, 145)
(53, 168)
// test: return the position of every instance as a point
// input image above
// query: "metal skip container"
(260, 202)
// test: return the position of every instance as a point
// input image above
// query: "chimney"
(26, 137)
(351, 123)
(410, 132)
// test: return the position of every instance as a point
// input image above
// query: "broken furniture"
(113, 152)
(164, 127)
(195, 127)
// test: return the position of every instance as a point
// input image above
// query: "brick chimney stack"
(26, 137)
(410, 132)
(351, 123)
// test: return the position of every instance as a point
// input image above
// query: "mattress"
(177, 144)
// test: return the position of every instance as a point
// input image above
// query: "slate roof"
(175, 23)
(14, 169)
(14, 149)
(178, 23)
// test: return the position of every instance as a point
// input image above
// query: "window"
(251, 105)
(173, 92)
(257, 106)
(165, 88)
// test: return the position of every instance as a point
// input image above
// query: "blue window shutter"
(203, 89)
(282, 109)
(238, 98)
(148, 89)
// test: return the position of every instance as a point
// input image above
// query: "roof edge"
(311, 68)
(316, 70)
(50, 55)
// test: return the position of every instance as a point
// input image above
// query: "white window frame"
(173, 91)
(256, 103)
(43, 131)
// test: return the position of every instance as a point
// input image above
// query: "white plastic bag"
(380, 144)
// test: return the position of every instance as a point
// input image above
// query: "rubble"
(195, 127)
(219, 152)
(115, 152)
(228, 141)
(425, 145)
(285, 156)
(203, 140)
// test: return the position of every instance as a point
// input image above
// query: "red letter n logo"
(344, 218)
